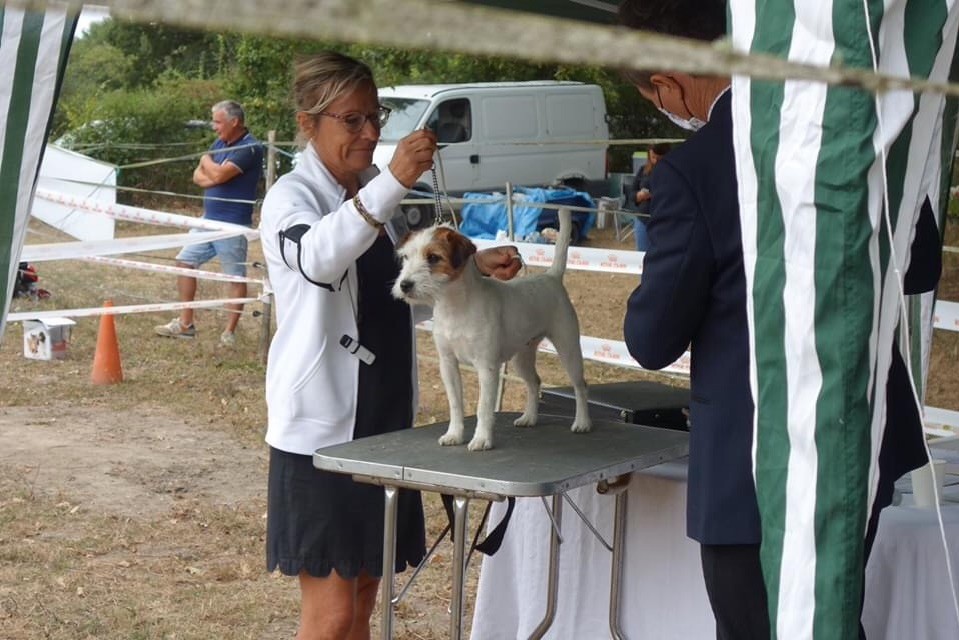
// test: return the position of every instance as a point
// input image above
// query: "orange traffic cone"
(106, 360)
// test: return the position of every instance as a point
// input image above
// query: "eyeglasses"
(354, 121)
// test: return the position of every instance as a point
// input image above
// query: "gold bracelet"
(370, 220)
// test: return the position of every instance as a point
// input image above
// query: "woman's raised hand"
(413, 156)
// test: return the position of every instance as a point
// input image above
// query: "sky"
(91, 13)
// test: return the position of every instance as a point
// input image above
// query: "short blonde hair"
(319, 79)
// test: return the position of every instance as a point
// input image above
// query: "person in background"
(638, 194)
(342, 364)
(229, 175)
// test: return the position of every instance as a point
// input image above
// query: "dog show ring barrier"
(547, 460)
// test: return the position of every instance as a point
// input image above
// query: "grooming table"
(546, 460)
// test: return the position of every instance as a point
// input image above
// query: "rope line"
(435, 25)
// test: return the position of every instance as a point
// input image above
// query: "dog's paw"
(449, 439)
(581, 426)
(479, 443)
(524, 421)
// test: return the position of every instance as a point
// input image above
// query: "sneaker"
(228, 339)
(173, 329)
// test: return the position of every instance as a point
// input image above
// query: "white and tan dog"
(485, 322)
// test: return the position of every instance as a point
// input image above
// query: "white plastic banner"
(580, 258)
(946, 315)
(69, 172)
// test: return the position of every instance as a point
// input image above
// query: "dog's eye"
(433, 258)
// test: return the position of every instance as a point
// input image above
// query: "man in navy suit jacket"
(693, 294)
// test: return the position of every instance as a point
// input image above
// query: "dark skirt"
(318, 521)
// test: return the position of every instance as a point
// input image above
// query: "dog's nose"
(406, 286)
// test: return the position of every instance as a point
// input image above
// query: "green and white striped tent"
(831, 183)
(33, 52)
(819, 171)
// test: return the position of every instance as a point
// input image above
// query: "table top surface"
(540, 461)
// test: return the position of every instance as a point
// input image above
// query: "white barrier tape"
(132, 308)
(612, 352)
(579, 258)
(936, 417)
(161, 268)
(946, 315)
(85, 249)
(148, 216)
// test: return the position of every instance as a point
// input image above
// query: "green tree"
(129, 85)
(156, 49)
(130, 127)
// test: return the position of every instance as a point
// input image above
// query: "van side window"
(452, 121)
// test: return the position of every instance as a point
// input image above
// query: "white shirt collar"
(709, 114)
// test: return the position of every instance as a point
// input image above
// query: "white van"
(492, 133)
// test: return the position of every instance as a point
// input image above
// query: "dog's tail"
(558, 268)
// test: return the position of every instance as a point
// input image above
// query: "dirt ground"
(137, 510)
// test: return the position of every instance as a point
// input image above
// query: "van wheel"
(418, 216)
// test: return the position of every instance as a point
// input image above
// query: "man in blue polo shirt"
(229, 175)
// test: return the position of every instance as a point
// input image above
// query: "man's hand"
(503, 263)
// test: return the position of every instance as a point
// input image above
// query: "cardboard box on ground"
(47, 339)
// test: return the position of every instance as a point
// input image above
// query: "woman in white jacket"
(328, 231)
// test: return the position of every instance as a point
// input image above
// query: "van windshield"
(404, 115)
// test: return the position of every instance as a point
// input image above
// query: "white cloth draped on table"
(907, 584)
(663, 595)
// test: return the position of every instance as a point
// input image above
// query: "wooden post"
(263, 348)
(270, 158)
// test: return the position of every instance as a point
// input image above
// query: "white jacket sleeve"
(316, 233)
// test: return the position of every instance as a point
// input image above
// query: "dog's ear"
(461, 248)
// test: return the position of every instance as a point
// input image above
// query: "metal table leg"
(460, 513)
(616, 570)
(389, 562)
(553, 585)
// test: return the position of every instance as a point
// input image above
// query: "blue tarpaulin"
(487, 216)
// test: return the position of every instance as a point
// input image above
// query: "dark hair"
(661, 148)
(694, 19)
